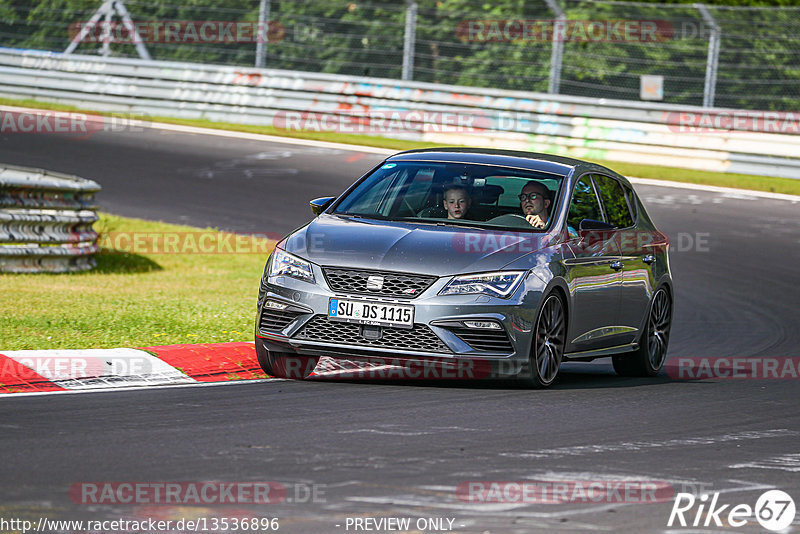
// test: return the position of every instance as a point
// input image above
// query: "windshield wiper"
(434, 222)
(459, 225)
(355, 216)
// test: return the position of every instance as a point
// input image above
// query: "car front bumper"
(439, 335)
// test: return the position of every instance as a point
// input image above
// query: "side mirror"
(318, 205)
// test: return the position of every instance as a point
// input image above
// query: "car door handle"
(616, 265)
(649, 259)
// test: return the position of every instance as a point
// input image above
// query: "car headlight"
(285, 264)
(498, 284)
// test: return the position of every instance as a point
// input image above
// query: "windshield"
(455, 193)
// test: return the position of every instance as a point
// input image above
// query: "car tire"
(649, 358)
(547, 347)
(284, 364)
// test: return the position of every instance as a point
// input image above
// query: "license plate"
(374, 313)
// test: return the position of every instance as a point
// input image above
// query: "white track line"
(137, 388)
(271, 138)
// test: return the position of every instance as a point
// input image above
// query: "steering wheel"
(505, 216)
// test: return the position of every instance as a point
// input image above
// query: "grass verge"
(740, 181)
(138, 299)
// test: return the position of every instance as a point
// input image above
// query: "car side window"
(614, 201)
(584, 204)
(631, 196)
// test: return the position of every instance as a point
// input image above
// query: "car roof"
(509, 158)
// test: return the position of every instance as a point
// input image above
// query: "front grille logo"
(375, 283)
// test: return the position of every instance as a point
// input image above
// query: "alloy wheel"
(658, 328)
(550, 336)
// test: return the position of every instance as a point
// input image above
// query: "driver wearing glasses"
(534, 201)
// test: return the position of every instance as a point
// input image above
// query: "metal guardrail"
(616, 130)
(46, 221)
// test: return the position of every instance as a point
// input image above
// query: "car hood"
(331, 240)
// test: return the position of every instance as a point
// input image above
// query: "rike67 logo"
(774, 510)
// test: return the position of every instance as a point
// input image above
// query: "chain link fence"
(689, 54)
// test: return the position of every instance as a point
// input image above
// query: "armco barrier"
(638, 132)
(46, 221)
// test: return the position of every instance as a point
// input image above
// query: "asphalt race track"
(378, 450)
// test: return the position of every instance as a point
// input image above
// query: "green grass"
(135, 299)
(741, 181)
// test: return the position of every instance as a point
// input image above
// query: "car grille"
(273, 320)
(420, 338)
(404, 286)
(484, 340)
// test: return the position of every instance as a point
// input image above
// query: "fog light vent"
(483, 325)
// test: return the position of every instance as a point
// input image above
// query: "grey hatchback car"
(469, 263)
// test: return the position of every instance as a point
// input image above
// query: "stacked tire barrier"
(46, 221)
